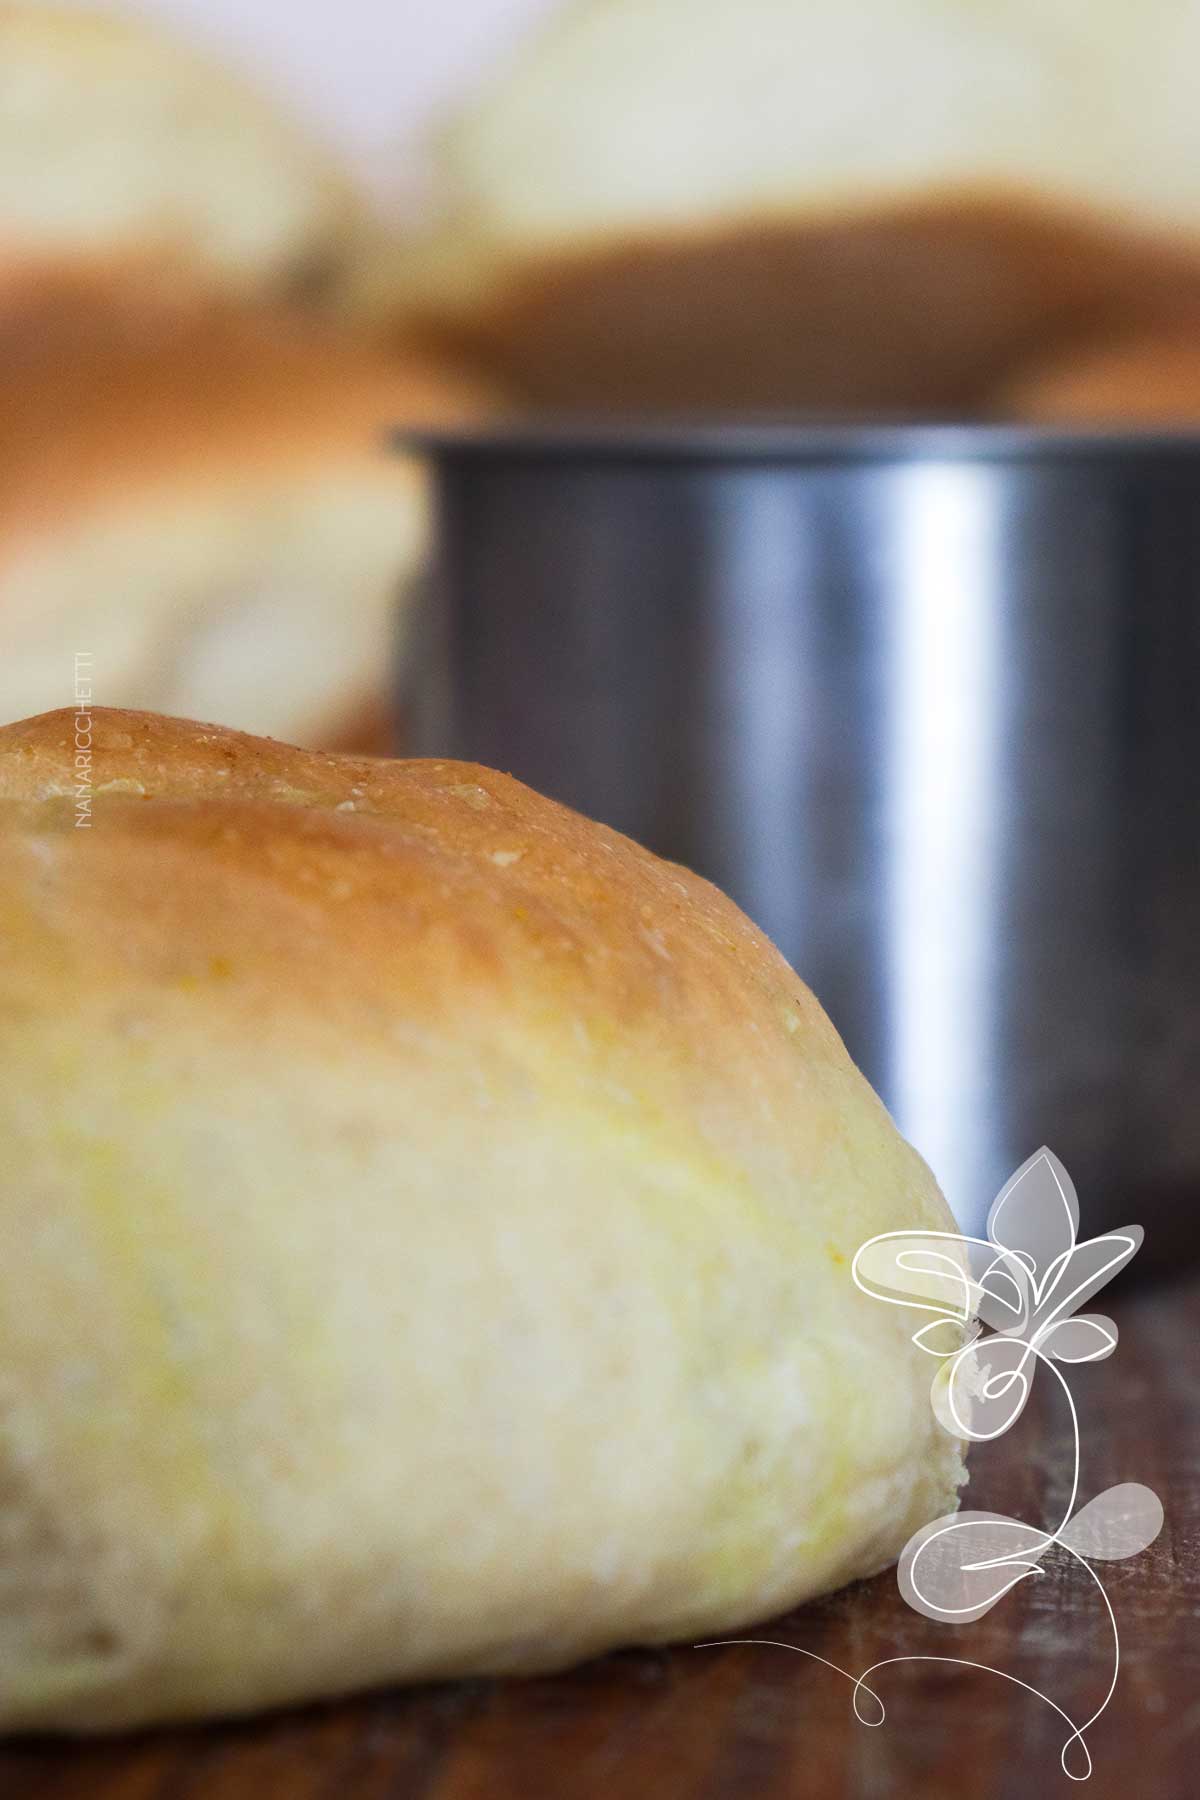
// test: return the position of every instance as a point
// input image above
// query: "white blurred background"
(364, 73)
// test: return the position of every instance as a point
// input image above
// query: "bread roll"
(770, 204)
(1149, 380)
(204, 502)
(428, 1221)
(121, 147)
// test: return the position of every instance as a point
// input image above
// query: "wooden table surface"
(701, 1724)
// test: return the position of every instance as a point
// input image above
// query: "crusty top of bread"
(516, 891)
(307, 892)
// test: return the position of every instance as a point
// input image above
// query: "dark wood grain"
(694, 1724)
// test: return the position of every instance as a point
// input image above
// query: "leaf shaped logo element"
(925, 1270)
(1082, 1272)
(1086, 1338)
(1035, 1216)
(1120, 1522)
(958, 1567)
(1034, 1226)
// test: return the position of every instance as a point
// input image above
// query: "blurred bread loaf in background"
(203, 499)
(197, 492)
(1144, 380)
(751, 206)
(124, 149)
(779, 204)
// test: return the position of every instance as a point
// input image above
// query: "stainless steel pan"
(925, 701)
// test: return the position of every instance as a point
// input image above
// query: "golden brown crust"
(781, 314)
(303, 897)
(409, 889)
(292, 896)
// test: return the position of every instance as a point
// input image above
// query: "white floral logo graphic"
(1001, 1306)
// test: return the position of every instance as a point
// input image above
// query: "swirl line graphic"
(1031, 1274)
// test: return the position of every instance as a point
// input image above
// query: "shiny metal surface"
(925, 702)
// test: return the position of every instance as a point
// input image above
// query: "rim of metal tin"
(797, 442)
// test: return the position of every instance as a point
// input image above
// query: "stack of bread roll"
(197, 489)
(779, 206)
(203, 501)
(775, 205)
